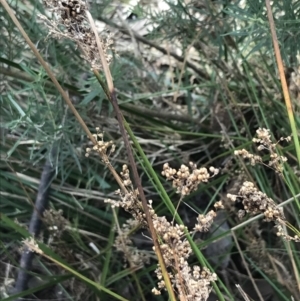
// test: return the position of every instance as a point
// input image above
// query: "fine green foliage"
(195, 80)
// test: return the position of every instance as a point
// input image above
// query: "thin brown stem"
(289, 108)
(285, 89)
(112, 97)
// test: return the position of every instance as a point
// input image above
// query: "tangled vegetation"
(150, 150)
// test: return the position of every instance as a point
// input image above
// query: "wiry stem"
(289, 108)
(113, 99)
(285, 89)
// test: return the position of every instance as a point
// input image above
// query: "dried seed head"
(255, 202)
(72, 15)
(187, 179)
(265, 143)
(102, 147)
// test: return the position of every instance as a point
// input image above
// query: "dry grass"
(176, 220)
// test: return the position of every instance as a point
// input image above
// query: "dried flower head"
(204, 222)
(72, 24)
(219, 205)
(102, 147)
(190, 283)
(187, 179)
(265, 143)
(281, 231)
(256, 202)
(128, 198)
(254, 159)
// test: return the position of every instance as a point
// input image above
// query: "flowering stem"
(285, 90)
(121, 120)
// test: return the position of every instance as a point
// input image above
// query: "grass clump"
(190, 89)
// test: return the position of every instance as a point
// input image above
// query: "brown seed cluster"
(102, 147)
(72, 15)
(129, 199)
(187, 179)
(73, 10)
(126, 176)
(189, 283)
(254, 159)
(264, 142)
(281, 231)
(256, 202)
(204, 222)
